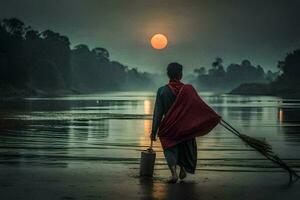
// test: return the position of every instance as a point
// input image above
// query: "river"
(113, 127)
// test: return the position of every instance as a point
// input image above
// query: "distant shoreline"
(247, 89)
(13, 93)
(264, 89)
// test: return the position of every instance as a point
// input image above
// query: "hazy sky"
(259, 30)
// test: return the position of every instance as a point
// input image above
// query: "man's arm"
(157, 115)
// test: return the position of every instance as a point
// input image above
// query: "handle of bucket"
(151, 145)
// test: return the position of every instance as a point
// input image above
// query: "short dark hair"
(174, 70)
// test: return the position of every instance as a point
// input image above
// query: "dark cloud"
(262, 31)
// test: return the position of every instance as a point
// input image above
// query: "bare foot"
(173, 179)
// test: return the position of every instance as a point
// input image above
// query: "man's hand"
(152, 137)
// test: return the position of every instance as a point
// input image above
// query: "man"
(179, 116)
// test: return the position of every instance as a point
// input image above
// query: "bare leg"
(174, 177)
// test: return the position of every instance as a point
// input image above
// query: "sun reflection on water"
(148, 109)
(280, 115)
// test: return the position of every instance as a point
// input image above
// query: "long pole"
(262, 147)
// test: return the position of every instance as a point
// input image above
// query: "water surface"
(113, 127)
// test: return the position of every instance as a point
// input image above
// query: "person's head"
(174, 71)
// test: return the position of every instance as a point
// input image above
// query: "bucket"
(147, 162)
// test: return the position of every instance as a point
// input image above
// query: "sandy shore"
(114, 181)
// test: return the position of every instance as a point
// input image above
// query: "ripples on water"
(113, 128)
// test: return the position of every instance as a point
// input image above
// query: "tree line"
(286, 84)
(30, 59)
(219, 78)
(36, 61)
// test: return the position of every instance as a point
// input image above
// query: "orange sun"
(159, 41)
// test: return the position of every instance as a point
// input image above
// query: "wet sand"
(105, 181)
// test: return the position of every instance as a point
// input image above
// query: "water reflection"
(152, 189)
(157, 189)
(289, 115)
(289, 119)
(113, 128)
(280, 115)
(148, 110)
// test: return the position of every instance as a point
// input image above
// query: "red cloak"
(188, 117)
